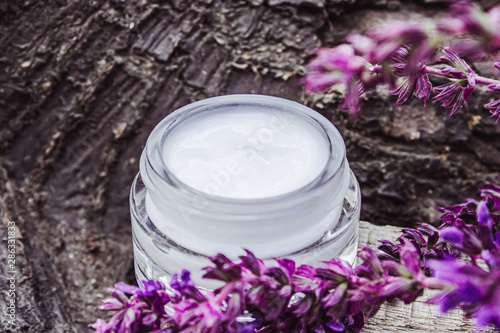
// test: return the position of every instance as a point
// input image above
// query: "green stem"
(479, 79)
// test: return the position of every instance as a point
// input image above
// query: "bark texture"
(82, 84)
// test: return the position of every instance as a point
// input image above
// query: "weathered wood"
(82, 84)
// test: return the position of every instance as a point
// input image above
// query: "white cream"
(247, 154)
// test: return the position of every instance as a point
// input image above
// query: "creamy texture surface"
(246, 154)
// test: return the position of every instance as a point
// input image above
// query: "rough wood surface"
(82, 84)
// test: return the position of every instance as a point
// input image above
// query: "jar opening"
(243, 148)
(244, 151)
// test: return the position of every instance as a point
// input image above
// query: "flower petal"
(452, 235)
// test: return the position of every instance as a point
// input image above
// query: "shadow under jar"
(239, 172)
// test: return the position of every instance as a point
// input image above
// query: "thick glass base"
(158, 257)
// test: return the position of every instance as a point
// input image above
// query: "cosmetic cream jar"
(239, 172)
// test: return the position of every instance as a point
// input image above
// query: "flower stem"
(479, 79)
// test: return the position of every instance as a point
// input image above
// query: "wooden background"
(83, 82)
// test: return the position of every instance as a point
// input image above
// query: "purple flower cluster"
(404, 54)
(463, 254)
(494, 106)
(473, 229)
(461, 258)
(338, 66)
(144, 311)
(476, 31)
(282, 298)
(455, 93)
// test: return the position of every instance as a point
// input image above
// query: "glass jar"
(310, 215)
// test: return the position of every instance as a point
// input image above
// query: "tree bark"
(83, 83)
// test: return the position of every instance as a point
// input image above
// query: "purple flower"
(410, 257)
(485, 225)
(458, 211)
(335, 296)
(483, 214)
(423, 87)
(427, 248)
(396, 286)
(100, 326)
(200, 315)
(457, 233)
(128, 317)
(253, 264)
(410, 66)
(288, 266)
(393, 36)
(127, 289)
(352, 98)
(455, 93)
(470, 15)
(356, 322)
(474, 21)
(458, 64)
(431, 232)
(143, 311)
(182, 282)
(401, 276)
(339, 65)
(491, 192)
(456, 271)
(390, 250)
(224, 270)
(371, 266)
(406, 89)
(185, 287)
(362, 44)
(417, 279)
(474, 290)
(336, 326)
(488, 315)
(306, 279)
(494, 108)
(270, 294)
(415, 236)
(452, 235)
(111, 304)
(150, 287)
(452, 96)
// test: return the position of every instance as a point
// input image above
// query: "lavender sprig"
(461, 258)
(334, 298)
(464, 255)
(404, 54)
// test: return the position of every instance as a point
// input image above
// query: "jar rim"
(163, 174)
